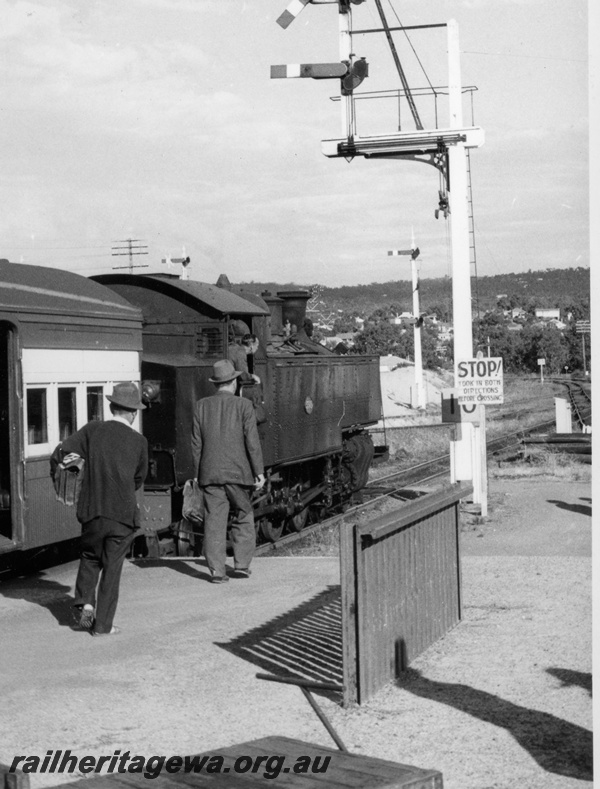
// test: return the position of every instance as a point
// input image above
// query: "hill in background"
(544, 288)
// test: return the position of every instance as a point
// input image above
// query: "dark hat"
(223, 372)
(240, 328)
(126, 395)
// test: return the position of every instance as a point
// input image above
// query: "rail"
(399, 482)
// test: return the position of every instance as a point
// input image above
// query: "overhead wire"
(399, 68)
(534, 57)
(36, 247)
(412, 47)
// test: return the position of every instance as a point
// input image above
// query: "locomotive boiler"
(313, 406)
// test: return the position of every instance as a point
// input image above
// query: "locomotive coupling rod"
(306, 685)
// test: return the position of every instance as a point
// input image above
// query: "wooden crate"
(352, 771)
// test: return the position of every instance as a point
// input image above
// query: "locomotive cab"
(312, 405)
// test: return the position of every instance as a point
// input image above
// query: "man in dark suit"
(116, 463)
(228, 458)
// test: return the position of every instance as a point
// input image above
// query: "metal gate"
(401, 590)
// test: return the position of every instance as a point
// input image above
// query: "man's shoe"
(243, 572)
(86, 618)
(112, 632)
(219, 579)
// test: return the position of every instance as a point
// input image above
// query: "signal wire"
(413, 49)
(399, 69)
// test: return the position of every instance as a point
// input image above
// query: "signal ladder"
(472, 250)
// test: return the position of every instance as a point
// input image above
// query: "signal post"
(445, 149)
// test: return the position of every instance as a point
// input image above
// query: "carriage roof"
(192, 293)
(36, 290)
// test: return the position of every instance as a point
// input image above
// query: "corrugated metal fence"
(401, 591)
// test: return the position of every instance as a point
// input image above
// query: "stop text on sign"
(480, 380)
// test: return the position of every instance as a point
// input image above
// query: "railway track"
(400, 484)
(579, 399)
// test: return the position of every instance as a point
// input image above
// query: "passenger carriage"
(64, 341)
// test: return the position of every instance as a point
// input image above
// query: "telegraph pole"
(133, 247)
(583, 328)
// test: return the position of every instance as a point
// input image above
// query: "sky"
(157, 120)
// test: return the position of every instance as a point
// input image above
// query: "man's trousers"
(104, 544)
(218, 499)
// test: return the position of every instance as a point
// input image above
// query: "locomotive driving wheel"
(271, 530)
(298, 521)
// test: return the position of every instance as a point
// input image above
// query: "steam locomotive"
(65, 340)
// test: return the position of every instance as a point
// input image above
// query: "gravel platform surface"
(503, 701)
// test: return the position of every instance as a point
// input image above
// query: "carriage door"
(7, 434)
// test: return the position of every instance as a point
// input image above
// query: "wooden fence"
(401, 589)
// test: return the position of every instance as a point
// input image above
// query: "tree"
(575, 347)
(544, 342)
(383, 338)
(344, 323)
(501, 342)
(380, 314)
(442, 310)
(379, 338)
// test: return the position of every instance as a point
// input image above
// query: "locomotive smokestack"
(293, 308)
(275, 321)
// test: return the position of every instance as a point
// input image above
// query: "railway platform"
(181, 676)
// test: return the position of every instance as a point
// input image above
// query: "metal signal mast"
(350, 70)
(444, 148)
(419, 399)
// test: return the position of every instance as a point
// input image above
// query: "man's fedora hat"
(240, 328)
(126, 395)
(223, 372)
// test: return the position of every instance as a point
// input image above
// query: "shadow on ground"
(556, 745)
(581, 509)
(53, 596)
(305, 642)
(195, 568)
(569, 678)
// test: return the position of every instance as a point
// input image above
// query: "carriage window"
(67, 411)
(95, 410)
(209, 342)
(37, 417)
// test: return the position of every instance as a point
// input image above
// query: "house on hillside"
(546, 314)
(402, 319)
(519, 314)
(559, 324)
